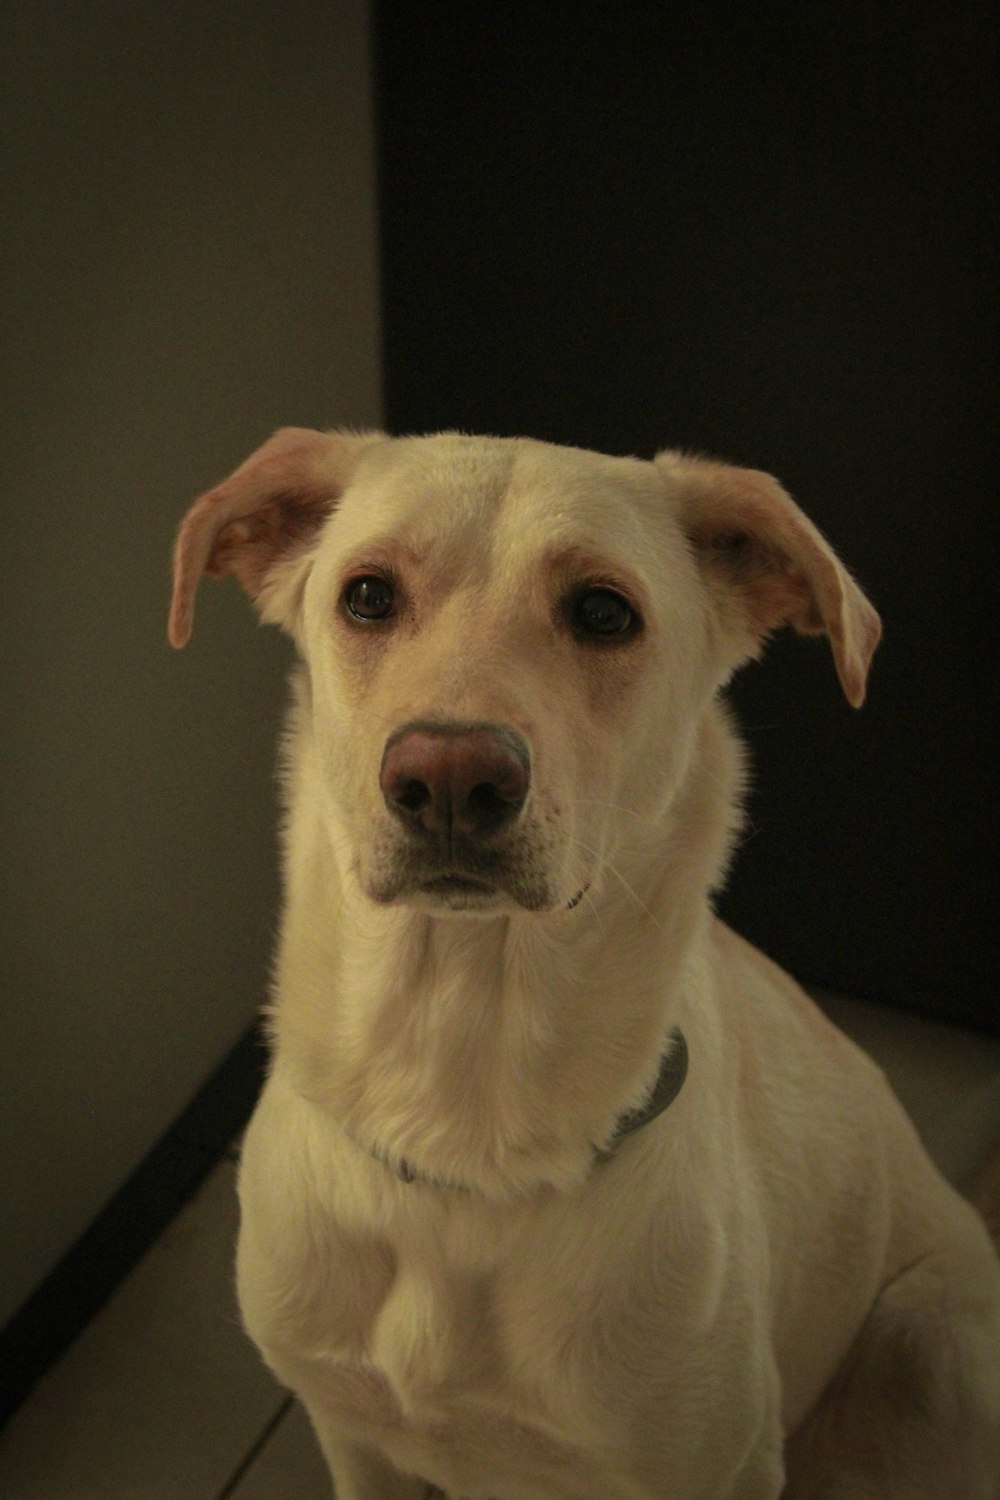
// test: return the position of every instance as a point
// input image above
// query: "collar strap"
(669, 1082)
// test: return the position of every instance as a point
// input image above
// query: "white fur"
(770, 1275)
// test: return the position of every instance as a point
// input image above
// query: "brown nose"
(455, 778)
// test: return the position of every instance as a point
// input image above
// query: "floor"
(162, 1398)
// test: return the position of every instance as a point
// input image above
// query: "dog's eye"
(370, 598)
(602, 614)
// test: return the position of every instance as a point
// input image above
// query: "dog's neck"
(444, 1041)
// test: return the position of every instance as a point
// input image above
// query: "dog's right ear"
(263, 518)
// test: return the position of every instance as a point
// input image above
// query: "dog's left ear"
(262, 520)
(767, 562)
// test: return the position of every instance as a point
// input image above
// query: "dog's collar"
(669, 1082)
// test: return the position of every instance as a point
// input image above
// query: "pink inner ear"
(249, 547)
(772, 589)
(769, 555)
(268, 507)
(226, 547)
(731, 544)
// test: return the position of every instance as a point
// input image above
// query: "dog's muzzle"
(455, 793)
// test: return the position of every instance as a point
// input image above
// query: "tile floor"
(162, 1398)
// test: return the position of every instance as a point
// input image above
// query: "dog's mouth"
(459, 892)
(457, 885)
(456, 888)
(469, 876)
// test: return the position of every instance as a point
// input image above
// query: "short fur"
(766, 1291)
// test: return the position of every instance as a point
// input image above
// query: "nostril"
(412, 795)
(486, 803)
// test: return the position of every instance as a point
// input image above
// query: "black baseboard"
(138, 1213)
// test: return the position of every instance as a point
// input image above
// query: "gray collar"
(669, 1082)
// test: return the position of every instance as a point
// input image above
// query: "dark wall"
(768, 234)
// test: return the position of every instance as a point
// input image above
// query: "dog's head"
(509, 645)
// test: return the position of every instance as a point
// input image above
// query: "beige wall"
(193, 264)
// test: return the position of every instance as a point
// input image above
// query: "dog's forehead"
(470, 496)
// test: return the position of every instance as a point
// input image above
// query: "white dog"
(495, 1239)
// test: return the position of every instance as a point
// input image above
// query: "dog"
(557, 1187)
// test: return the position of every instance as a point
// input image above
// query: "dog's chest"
(435, 1331)
(458, 1339)
(444, 1376)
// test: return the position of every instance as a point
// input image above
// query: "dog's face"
(509, 645)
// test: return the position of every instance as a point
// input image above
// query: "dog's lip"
(457, 880)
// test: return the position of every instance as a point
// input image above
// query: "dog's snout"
(443, 779)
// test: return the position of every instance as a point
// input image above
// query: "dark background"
(767, 233)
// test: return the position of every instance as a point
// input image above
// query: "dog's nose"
(443, 778)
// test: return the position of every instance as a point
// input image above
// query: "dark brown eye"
(370, 598)
(601, 614)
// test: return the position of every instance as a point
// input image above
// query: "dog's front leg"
(359, 1473)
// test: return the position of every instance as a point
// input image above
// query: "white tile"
(162, 1396)
(948, 1079)
(289, 1465)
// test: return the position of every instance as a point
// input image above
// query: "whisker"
(612, 806)
(636, 898)
(605, 863)
(588, 897)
